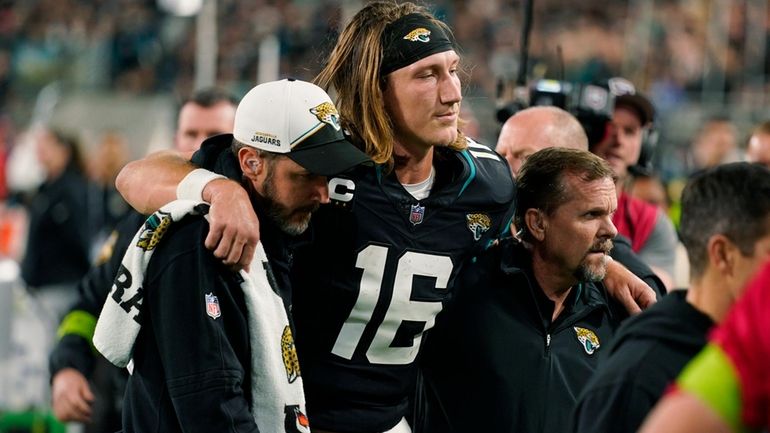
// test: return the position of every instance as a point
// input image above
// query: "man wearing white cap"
(212, 349)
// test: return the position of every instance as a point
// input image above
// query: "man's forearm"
(149, 183)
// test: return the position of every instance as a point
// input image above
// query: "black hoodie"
(647, 353)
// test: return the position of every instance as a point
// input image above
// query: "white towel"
(278, 398)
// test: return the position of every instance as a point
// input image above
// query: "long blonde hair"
(353, 70)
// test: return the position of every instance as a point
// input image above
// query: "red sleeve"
(745, 337)
(635, 219)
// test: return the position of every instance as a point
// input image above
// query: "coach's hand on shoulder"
(234, 227)
(71, 396)
(627, 288)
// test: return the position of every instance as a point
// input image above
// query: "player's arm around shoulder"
(149, 183)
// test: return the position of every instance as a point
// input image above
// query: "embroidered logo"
(327, 113)
(478, 223)
(295, 421)
(265, 138)
(416, 214)
(588, 339)
(153, 230)
(212, 306)
(289, 352)
(418, 35)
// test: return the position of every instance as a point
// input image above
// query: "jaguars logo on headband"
(153, 230)
(588, 339)
(327, 113)
(418, 35)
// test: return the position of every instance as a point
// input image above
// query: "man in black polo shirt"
(532, 308)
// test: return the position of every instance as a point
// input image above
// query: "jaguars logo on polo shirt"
(588, 339)
(418, 35)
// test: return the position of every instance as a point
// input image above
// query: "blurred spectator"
(650, 189)
(104, 163)
(680, 50)
(57, 248)
(758, 149)
(716, 143)
(537, 128)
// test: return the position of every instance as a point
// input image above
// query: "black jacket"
(58, 243)
(193, 371)
(187, 363)
(648, 352)
(496, 363)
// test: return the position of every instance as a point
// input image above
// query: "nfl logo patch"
(212, 306)
(415, 216)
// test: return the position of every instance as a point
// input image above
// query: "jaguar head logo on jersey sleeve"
(327, 113)
(418, 35)
(588, 339)
(153, 230)
(478, 224)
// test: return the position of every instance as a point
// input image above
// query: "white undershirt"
(421, 190)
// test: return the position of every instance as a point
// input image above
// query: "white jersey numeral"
(372, 260)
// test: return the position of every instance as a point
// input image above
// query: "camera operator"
(651, 232)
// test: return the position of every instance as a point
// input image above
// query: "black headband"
(411, 38)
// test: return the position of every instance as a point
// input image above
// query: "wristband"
(191, 187)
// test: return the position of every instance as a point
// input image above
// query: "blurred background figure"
(107, 205)
(538, 128)
(758, 149)
(649, 188)
(58, 244)
(716, 143)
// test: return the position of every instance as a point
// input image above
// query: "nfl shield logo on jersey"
(212, 306)
(415, 216)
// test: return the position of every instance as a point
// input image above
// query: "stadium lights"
(182, 8)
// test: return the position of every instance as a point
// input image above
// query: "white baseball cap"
(298, 119)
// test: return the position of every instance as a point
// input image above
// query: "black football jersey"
(379, 269)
